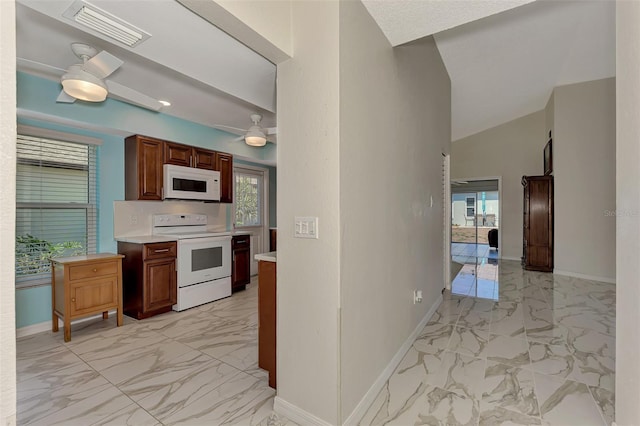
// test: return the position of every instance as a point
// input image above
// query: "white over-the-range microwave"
(189, 183)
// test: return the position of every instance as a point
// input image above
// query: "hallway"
(542, 352)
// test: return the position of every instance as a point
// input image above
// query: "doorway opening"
(475, 236)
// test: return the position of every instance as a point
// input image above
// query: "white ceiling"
(407, 20)
(502, 66)
(208, 77)
(505, 65)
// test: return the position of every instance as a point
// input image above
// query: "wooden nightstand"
(85, 285)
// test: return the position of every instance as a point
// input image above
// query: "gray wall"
(395, 121)
(511, 150)
(308, 185)
(628, 205)
(584, 174)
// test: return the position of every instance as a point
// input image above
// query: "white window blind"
(56, 205)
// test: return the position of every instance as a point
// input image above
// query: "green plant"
(33, 254)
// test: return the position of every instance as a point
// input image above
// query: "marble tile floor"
(193, 367)
(541, 352)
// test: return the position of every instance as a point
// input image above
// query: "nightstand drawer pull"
(95, 269)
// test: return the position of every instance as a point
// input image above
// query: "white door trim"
(447, 219)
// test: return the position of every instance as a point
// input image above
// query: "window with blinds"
(56, 199)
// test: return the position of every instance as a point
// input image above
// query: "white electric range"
(204, 258)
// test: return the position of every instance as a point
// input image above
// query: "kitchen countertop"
(267, 257)
(145, 239)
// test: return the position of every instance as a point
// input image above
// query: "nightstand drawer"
(91, 270)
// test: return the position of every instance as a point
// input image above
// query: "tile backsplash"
(132, 218)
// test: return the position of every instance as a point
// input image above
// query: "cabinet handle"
(161, 251)
(241, 241)
(73, 299)
(95, 269)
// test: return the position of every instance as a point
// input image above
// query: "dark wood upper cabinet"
(224, 164)
(204, 159)
(143, 158)
(538, 223)
(178, 154)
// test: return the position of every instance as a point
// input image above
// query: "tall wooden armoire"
(537, 253)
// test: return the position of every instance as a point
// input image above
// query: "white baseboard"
(296, 414)
(584, 276)
(303, 417)
(368, 398)
(46, 326)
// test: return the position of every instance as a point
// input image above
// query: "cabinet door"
(241, 267)
(204, 159)
(178, 154)
(93, 296)
(143, 168)
(160, 286)
(224, 164)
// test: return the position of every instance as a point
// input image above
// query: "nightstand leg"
(105, 315)
(54, 322)
(67, 330)
(119, 316)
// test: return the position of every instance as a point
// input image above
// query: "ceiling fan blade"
(103, 64)
(239, 138)
(64, 98)
(223, 127)
(271, 130)
(127, 94)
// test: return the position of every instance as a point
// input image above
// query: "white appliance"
(204, 258)
(190, 183)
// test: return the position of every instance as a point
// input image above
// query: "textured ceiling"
(406, 20)
(505, 65)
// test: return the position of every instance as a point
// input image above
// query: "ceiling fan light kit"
(255, 137)
(82, 85)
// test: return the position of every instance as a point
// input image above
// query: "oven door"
(203, 259)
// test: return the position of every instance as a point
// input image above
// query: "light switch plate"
(306, 227)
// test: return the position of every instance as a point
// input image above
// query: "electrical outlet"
(417, 296)
(133, 219)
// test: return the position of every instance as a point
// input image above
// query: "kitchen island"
(267, 314)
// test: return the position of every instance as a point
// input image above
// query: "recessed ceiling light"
(165, 103)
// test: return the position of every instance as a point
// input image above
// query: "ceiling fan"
(254, 135)
(87, 81)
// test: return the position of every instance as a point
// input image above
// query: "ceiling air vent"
(105, 23)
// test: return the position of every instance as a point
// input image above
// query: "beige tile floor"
(505, 347)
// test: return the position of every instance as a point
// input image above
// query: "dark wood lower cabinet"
(241, 264)
(149, 278)
(538, 223)
(267, 319)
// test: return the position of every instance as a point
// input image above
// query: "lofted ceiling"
(503, 56)
(505, 65)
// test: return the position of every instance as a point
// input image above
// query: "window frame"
(91, 207)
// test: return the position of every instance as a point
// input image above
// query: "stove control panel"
(179, 219)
